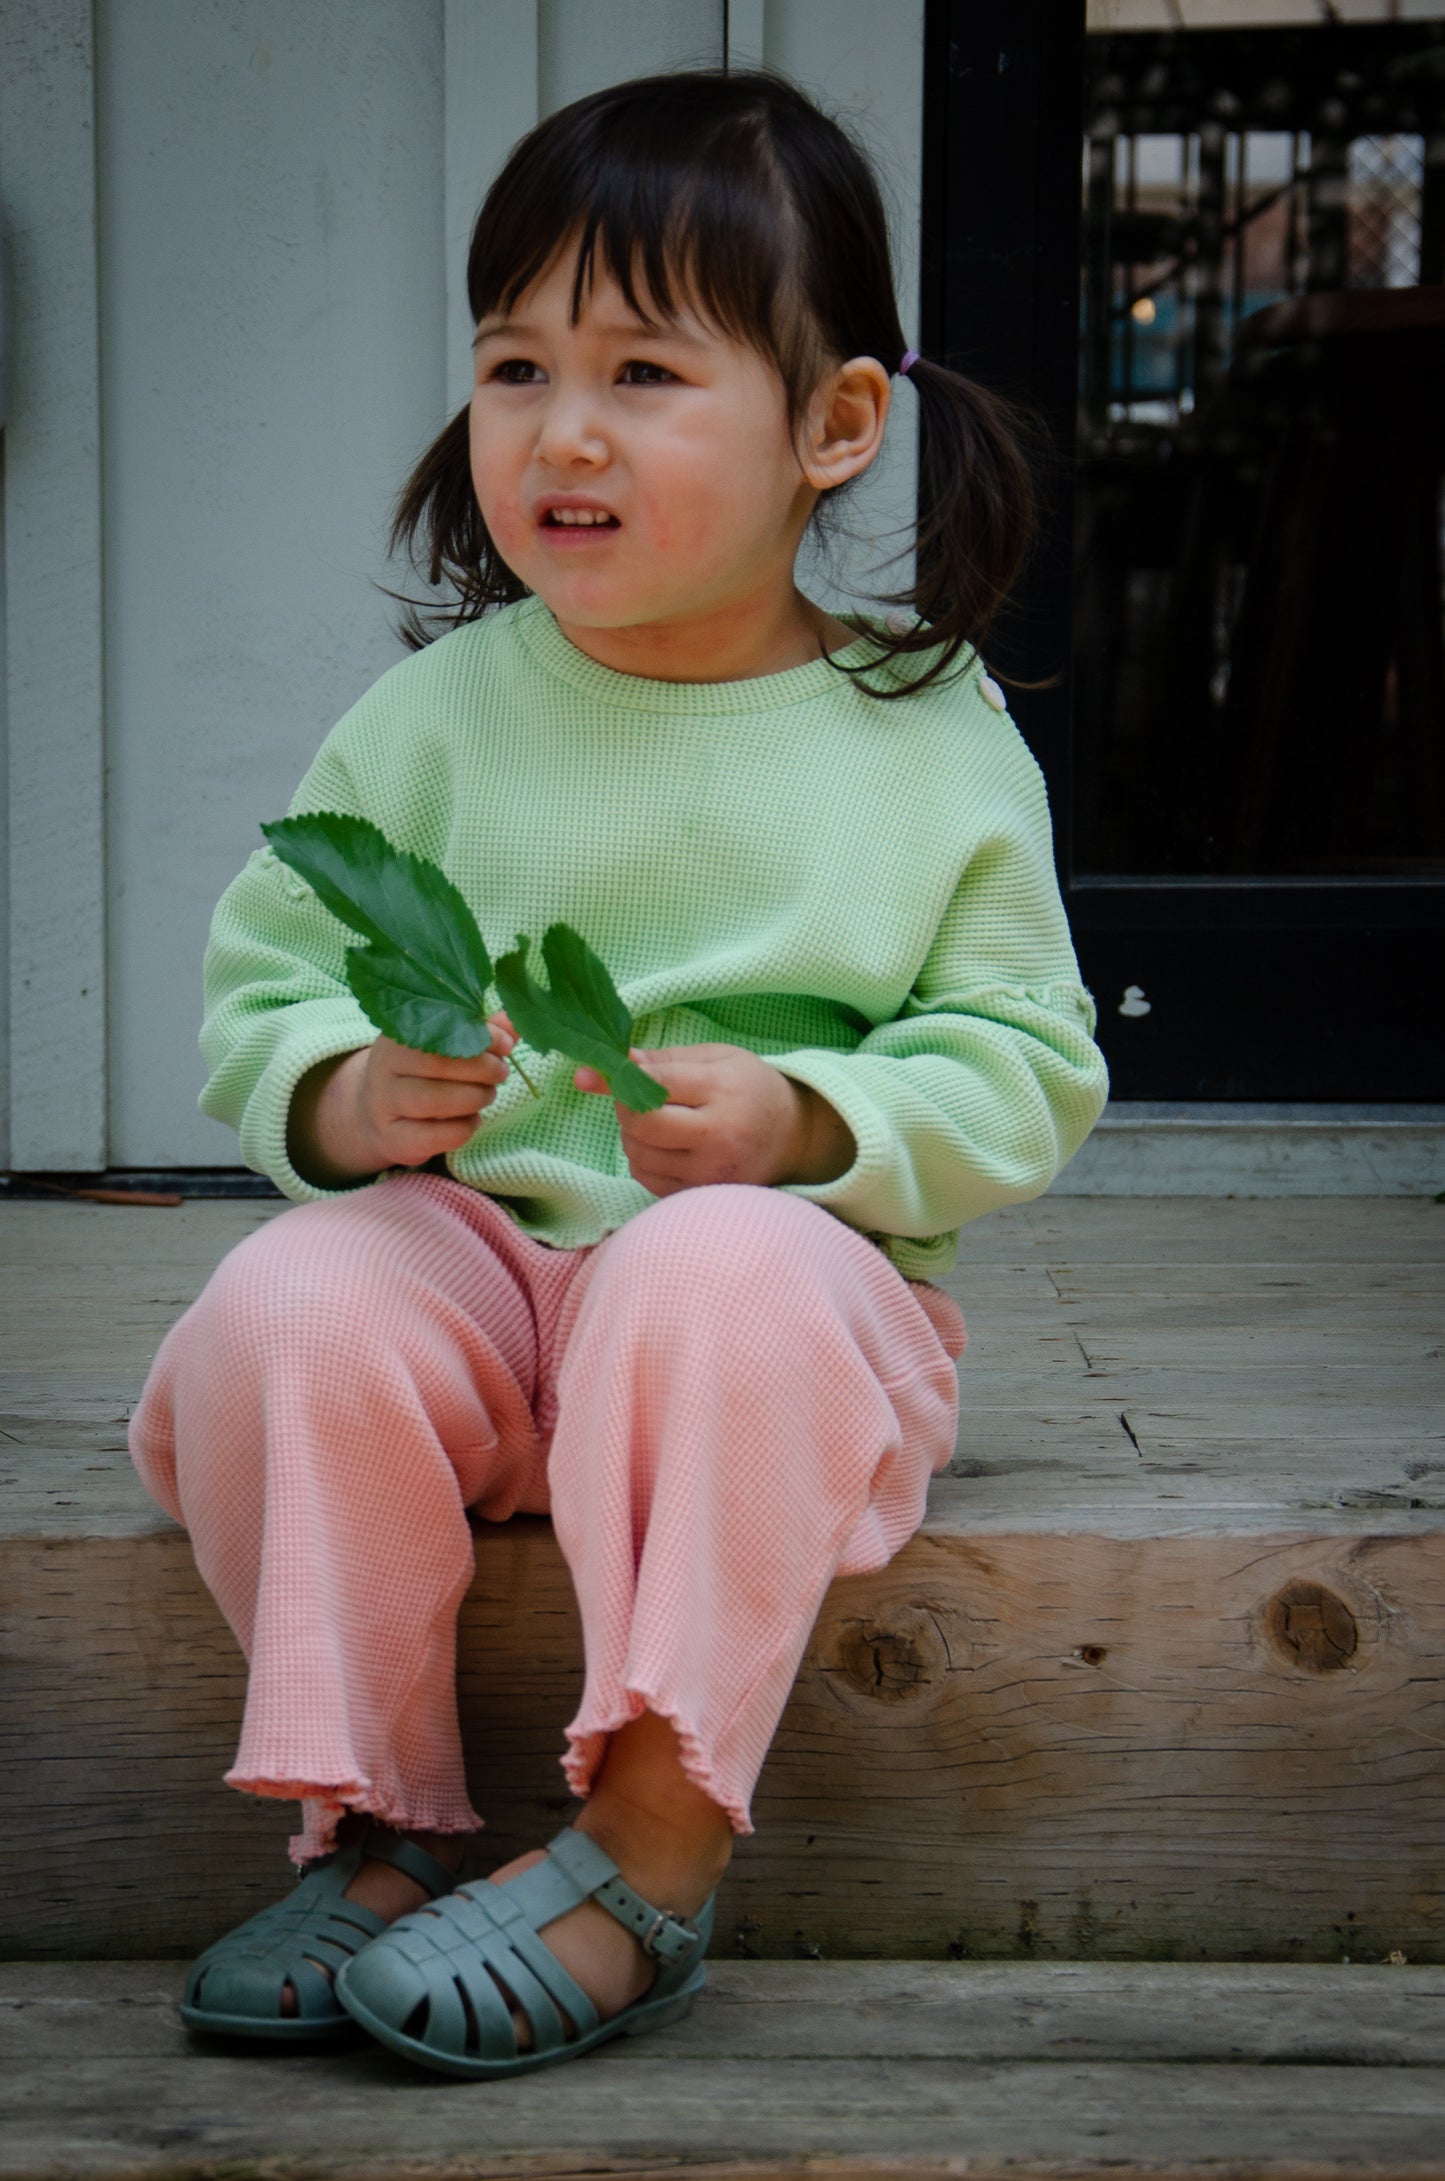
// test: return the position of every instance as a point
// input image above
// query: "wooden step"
(834, 2071)
(1163, 1675)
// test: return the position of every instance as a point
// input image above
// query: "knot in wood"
(893, 1661)
(1311, 1627)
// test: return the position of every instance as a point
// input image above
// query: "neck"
(765, 634)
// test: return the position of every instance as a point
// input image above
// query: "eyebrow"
(622, 329)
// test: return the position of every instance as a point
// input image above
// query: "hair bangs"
(682, 206)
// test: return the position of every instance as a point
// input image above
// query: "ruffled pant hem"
(324, 1807)
(587, 1740)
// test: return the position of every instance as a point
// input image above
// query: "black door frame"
(1259, 989)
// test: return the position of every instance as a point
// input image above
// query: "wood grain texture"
(1131, 1157)
(824, 2070)
(1161, 1674)
(1048, 1744)
(1276, 2014)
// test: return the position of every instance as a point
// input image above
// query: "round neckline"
(537, 627)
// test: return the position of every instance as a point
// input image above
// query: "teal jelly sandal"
(234, 1989)
(439, 1985)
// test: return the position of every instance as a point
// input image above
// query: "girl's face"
(643, 483)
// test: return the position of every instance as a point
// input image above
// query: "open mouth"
(579, 518)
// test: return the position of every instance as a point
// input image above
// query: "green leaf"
(403, 1001)
(582, 1014)
(426, 976)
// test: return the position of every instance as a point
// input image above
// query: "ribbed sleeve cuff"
(328, 1027)
(871, 1133)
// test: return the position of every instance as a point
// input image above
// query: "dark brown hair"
(734, 194)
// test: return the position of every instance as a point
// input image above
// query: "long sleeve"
(276, 1000)
(989, 1079)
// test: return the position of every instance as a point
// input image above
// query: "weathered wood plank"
(1355, 1231)
(1058, 1743)
(1280, 2014)
(1393, 1333)
(121, 2118)
(199, 1231)
(1208, 1230)
(1350, 1401)
(1180, 1488)
(65, 1480)
(818, 2073)
(1344, 1400)
(1281, 1154)
(89, 1396)
(1250, 1284)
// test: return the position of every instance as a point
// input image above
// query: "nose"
(570, 434)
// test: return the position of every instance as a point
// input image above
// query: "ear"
(843, 429)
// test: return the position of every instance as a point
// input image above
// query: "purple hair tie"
(910, 358)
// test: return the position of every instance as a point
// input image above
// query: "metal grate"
(1386, 187)
(1260, 516)
(1225, 172)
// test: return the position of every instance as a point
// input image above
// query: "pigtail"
(977, 514)
(439, 526)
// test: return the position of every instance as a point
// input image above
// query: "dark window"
(1214, 259)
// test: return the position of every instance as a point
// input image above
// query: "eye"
(639, 372)
(515, 371)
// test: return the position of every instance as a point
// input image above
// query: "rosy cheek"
(677, 525)
(507, 526)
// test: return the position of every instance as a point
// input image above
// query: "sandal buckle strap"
(657, 1930)
(593, 1873)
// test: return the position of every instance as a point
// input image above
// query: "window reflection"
(1260, 671)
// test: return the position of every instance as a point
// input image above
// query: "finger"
(411, 1060)
(425, 1102)
(412, 1143)
(591, 1079)
(667, 1131)
(687, 1079)
(438, 1068)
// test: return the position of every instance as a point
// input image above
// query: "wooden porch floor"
(1194, 1434)
(815, 2071)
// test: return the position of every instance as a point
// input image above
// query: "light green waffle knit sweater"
(863, 893)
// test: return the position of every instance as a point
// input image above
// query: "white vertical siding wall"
(864, 63)
(54, 906)
(4, 834)
(271, 188)
(491, 100)
(285, 196)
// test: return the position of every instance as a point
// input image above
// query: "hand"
(387, 1104)
(729, 1117)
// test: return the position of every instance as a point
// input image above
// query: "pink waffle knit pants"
(726, 1402)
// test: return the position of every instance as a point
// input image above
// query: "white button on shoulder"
(899, 623)
(989, 690)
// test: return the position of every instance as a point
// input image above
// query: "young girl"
(815, 854)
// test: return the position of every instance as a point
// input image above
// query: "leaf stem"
(516, 1063)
